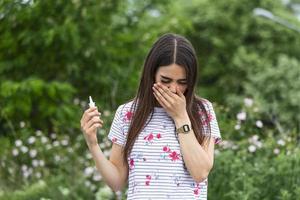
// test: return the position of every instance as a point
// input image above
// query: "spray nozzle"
(91, 103)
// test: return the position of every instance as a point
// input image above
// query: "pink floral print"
(150, 137)
(128, 116)
(173, 155)
(148, 179)
(205, 121)
(197, 189)
(131, 163)
(114, 139)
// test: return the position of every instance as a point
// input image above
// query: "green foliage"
(241, 175)
(37, 103)
(54, 54)
(277, 89)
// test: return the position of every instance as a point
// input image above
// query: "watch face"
(186, 128)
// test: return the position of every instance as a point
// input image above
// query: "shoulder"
(204, 103)
(125, 111)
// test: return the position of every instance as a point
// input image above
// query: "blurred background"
(54, 54)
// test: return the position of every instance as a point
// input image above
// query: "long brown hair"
(168, 49)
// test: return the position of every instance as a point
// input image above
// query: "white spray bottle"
(91, 103)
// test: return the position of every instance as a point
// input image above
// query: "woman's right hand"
(90, 122)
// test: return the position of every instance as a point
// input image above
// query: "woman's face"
(172, 76)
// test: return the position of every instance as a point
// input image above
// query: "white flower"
(41, 163)
(38, 133)
(217, 152)
(281, 142)
(64, 142)
(255, 109)
(226, 144)
(55, 143)
(252, 148)
(248, 102)
(97, 177)
(44, 139)
(107, 143)
(258, 144)
(70, 150)
(83, 104)
(276, 151)
(35, 163)
(106, 153)
(93, 187)
(87, 183)
(88, 171)
(88, 155)
(64, 190)
(102, 132)
(237, 127)
(253, 139)
(38, 175)
(48, 146)
(32, 153)
(102, 145)
(53, 135)
(18, 143)
(57, 158)
(15, 152)
(24, 167)
(106, 113)
(26, 174)
(259, 124)
(22, 124)
(76, 101)
(31, 140)
(234, 147)
(24, 149)
(241, 116)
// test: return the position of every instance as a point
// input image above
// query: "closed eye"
(168, 81)
(164, 81)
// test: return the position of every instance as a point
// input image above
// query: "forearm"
(195, 157)
(106, 168)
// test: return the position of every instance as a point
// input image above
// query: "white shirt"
(156, 167)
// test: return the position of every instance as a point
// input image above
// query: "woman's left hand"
(174, 104)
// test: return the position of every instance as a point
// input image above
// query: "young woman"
(163, 140)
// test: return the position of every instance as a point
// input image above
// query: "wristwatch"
(185, 129)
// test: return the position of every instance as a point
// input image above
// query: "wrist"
(181, 120)
(93, 145)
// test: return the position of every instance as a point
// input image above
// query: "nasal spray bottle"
(91, 103)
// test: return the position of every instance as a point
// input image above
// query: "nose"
(172, 87)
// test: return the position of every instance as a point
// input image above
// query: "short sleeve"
(116, 133)
(214, 127)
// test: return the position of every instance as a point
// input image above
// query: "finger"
(163, 102)
(86, 120)
(87, 111)
(167, 90)
(179, 92)
(93, 127)
(95, 119)
(87, 116)
(164, 93)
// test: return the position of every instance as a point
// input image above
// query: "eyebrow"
(165, 77)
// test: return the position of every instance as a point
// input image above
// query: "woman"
(163, 140)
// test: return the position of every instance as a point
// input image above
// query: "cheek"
(182, 88)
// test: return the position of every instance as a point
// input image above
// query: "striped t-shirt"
(156, 167)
